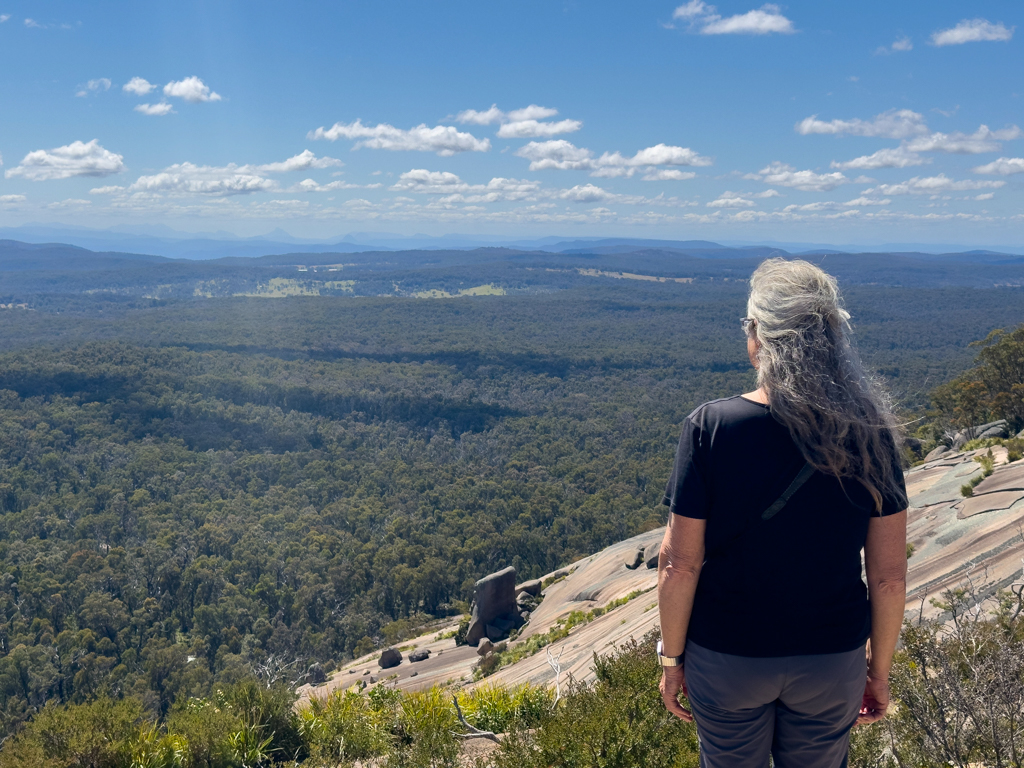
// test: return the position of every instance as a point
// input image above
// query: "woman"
(773, 496)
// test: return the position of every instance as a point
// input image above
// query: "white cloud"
(71, 202)
(76, 159)
(110, 190)
(1004, 166)
(191, 89)
(157, 110)
(898, 157)
(300, 162)
(705, 19)
(99, 84)
(731, 200)
(486, 117)
(138, 86)
(495, 115)
(33, 24)
(532, 112)
(972, 31)
(309, 185)
(768, 193)
(527, 129)
(188, 178)
(587, 193)
(985, 196)
(668, 174)
(11, 199)
(557, 154)
(894, 124)
(445, 140)
(931, 185)
(422, 181)
(900, 44)
(982, 140)
(783, 175)
(562, 155)
(4, 17)
(862, 201)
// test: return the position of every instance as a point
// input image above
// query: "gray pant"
(798, 708)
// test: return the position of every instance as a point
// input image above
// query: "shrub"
(345, 726)
(461, 631)
(617, 721)
(267, 710)
(497, 707)
(206, 726)
(97, 735)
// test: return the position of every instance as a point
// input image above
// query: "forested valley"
(197, 490)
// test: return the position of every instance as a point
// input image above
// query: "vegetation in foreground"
(958, 699)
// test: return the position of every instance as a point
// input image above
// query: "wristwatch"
(669, 661)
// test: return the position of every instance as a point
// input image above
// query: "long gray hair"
(839, 417)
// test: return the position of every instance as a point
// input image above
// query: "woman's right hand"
(876, 700)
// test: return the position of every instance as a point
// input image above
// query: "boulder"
(996, 430)
(634, 559)
(936, 452)
(526, 600)
(316, 674)
(493, 633)
(495, 595)
(529, 587)
(366, 672)
(651, 555)
(414, 674)
(391, 657)
(485, 647)
(421, 655)
(525, 616)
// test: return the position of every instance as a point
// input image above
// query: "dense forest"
(196, 489)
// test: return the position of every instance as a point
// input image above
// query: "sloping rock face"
(950, 534)
(494, 602)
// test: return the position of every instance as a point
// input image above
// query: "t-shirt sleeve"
(688, 492)
(895, 499)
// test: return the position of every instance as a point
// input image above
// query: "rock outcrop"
(532, 587)
(421, 655)
(950, 533)
(391, 657)
(494, 607)
(651, 555)
(634, 559)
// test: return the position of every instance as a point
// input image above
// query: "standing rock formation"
(494, 604)
(391, 657)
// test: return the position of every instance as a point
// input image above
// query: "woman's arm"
(885, 561)
(679, 564)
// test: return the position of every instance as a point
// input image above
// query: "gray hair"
(838, 415)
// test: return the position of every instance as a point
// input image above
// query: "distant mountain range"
(167, 242)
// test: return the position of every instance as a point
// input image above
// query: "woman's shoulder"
(727, 409)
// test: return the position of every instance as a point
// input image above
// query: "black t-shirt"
(787, 586)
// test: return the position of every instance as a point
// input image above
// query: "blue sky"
(813, 121)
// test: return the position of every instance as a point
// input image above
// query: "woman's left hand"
(673, 682)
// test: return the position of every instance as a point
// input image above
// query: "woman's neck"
(759, 395)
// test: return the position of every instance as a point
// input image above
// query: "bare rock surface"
(1010, 478)
(948, 532)
(990, 502)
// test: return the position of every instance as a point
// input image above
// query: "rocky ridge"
(953, 537)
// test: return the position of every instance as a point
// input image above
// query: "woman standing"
(773, 496)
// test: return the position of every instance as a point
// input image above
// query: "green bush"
(618, 721)
(268, 709)
(497, 708)
(206, 726)
(461, 631)
(94, 735)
